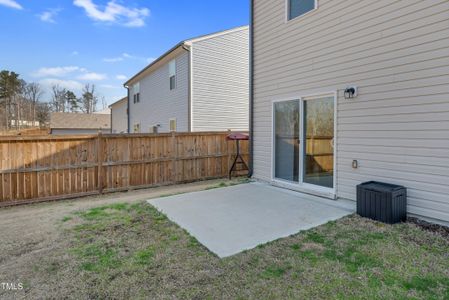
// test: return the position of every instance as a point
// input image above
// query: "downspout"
(189, 89)
(110, 107)
(251, 89)
(127, 109)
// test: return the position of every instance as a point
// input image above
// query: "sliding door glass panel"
(286, 139)
(319, 144)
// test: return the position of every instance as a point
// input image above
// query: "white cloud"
(70, 71)
(68, 84)
(113, 59)
(91, 76)
(57, 71)
(49, 15)
(125, 55)
(11, 4)
(121, 77)
(110, 86)
(114, 13)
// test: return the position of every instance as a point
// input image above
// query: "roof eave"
(182, 44)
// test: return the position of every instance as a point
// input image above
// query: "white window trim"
(136, 88)
(287, 11)
(302, 186)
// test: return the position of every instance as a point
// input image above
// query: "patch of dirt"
(436, 228)
(30, 233)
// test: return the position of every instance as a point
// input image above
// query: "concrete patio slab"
(230, 220)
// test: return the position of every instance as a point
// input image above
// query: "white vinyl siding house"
(119, 116)
(201, 84)
(397, 128)
(220, 77)
(158, 103)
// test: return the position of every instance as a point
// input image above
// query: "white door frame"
(301, 185)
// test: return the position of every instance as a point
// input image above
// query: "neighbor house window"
(172, 74)
(136, 92)
(137, 128)
(298, 8)
(172, 124)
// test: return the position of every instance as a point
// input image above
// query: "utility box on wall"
(382, 202)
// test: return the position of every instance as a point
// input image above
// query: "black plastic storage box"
(382, 202)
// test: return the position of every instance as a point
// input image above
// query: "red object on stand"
(237, 137)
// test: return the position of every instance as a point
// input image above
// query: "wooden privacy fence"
(58, 167)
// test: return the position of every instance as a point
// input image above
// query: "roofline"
(116, 102)
(184, 44)
(179, 45)
(215, 34)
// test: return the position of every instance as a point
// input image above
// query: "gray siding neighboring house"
(77, 123)
(220, 77)
(210, 90)
(397, 128)
(119, 116)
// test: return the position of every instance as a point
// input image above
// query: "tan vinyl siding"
(397, 54)
(158, 104)
(220, 82)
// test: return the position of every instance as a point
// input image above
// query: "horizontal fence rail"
(58, 167)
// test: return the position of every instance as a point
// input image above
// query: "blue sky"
(72, 42)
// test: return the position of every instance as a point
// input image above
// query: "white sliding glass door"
(303, 142)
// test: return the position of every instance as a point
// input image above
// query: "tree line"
(22, 104)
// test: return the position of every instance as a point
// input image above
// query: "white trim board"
(302, 186)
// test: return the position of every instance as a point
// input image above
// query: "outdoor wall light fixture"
(351, 92)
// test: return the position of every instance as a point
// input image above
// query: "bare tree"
(89, 99)
(43, 113)
(104, 104)
(59, 98)
(33, 92)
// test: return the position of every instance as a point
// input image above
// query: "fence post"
(100, 161)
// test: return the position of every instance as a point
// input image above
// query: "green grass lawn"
(133, 251)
